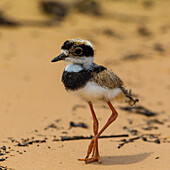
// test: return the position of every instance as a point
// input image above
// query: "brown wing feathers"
(110, 80)
(107, 79)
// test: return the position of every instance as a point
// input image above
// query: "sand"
(130, 38)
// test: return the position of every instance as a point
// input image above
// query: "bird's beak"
(62, 56)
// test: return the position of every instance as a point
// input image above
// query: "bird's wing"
(110, 80)
(107, 78)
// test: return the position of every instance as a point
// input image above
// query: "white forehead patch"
(89, 43)
(83, 41)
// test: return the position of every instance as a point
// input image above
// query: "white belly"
(93, 92)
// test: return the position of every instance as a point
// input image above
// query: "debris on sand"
(139, 110)
(77, 106)
(3, 152)
(150, 124)
(51, 126)
(81, 124)
(89, 7)
(66, 138)
(124, 141)
(131, 57)
(143, 31)
(148, 3)
(59, 10)
(3, 148)
(5, 168)
(159, 48)
(2, 159)
(152, 138)
(27, 141)
(4, 21)
(132, 131)
(114, 136)
(111, 33)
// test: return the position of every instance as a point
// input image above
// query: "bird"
(92, 83)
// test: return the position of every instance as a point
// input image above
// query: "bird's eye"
(78, 51)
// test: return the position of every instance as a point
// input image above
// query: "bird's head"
(76, 51)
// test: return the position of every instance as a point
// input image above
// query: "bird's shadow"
(124, 159)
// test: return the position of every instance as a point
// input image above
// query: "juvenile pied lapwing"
(91, 82)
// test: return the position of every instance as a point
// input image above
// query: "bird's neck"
(76, 67)
(83, 62)
(87, 63)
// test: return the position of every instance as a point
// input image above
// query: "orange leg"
(94, 143)
(95, 130)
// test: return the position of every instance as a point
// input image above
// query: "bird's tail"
(128, 94)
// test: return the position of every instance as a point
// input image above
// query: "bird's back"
(107, 78)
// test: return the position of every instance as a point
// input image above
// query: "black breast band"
(75, 80)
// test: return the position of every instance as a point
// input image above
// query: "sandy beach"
(130, 37)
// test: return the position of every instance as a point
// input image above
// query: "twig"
(66, 138)
(128, 141)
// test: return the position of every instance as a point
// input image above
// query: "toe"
(90, 160)
(82, 159)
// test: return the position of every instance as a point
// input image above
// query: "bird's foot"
(92, 159)
(93, 148)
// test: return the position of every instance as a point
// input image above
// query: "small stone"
(4, 148)
(157, 141)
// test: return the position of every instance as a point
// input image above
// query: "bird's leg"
(93, 144)
(95, 130)
(95, 138)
